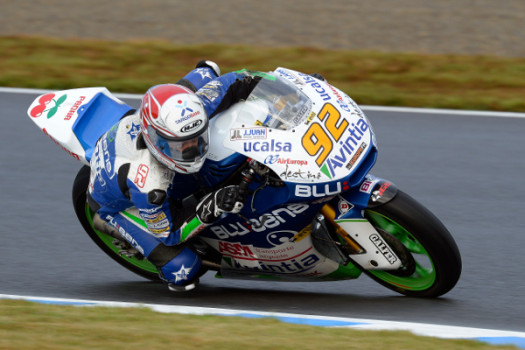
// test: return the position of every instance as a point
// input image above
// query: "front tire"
(141, 267)
(436, 255)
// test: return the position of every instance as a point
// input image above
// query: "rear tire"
(437, 258)
(141, 267)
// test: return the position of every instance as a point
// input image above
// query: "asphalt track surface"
(467, 169)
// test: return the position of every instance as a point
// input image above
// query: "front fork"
(367, 246)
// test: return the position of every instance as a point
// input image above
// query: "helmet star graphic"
(184, 106)
(182, 274)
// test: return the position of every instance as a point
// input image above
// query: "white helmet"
(175, 127)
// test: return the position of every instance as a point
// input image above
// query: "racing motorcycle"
(301, 150)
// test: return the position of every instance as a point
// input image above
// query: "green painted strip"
(135, 219)
(350, 271)
(351, 220)
(257, 73)
(190, 227)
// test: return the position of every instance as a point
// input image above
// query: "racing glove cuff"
(209, 64)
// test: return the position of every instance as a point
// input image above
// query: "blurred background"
(479, 27)
(465, 54)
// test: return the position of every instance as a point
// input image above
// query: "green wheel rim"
(108, 241)
(425, 274)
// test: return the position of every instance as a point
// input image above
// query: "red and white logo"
(344, 206)
(366, 186)
(142, 174)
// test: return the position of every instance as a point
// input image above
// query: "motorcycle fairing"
(252, 129)
(280, 243)
(276, 243)
(338, 147)
(74, 119)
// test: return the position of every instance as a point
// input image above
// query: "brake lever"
(247, 178)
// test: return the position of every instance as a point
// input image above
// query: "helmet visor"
(182, 149)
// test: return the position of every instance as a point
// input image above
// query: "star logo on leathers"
(133, 130)
(182, 274)
(204, 73)
(206, 212)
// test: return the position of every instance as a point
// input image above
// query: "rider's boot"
(183, 287)
(179, 266)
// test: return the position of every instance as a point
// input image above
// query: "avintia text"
(291, 266)
(349, 145)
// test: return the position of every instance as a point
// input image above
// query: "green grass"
(371, 78)
(25, 325)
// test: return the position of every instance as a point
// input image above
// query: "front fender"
(382, 192)
(372, 192)
(369, 249)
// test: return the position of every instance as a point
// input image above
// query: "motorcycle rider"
(134, 164)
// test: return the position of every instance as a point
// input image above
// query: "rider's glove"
(318, 76)
(209, 64)
(239, 90)
(246, 85)
(225, 200)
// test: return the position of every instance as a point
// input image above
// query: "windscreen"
(287, 106)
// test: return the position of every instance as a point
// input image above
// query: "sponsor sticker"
(299, 174)
(158, 223)
(73, 109)
(267, 146)
(43, 103)
(248, 134)
(366, 186)
(380, 192)
(111, 220)
(265, 222)
(344, 206)
(321, 190)
(191, 126)
(288, 266)
(356, 155)
(383, 248)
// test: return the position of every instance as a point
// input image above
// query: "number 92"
(321, 139)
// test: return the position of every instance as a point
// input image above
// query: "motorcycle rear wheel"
(141, 267)
(436, 255)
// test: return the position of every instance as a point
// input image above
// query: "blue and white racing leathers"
(126, 181)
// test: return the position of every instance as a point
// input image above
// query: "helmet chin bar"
(193, 162)
(189, 167)
(178, 166)
(191, 153)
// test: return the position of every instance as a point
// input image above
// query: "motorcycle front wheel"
(138, 265)
(433, 254)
